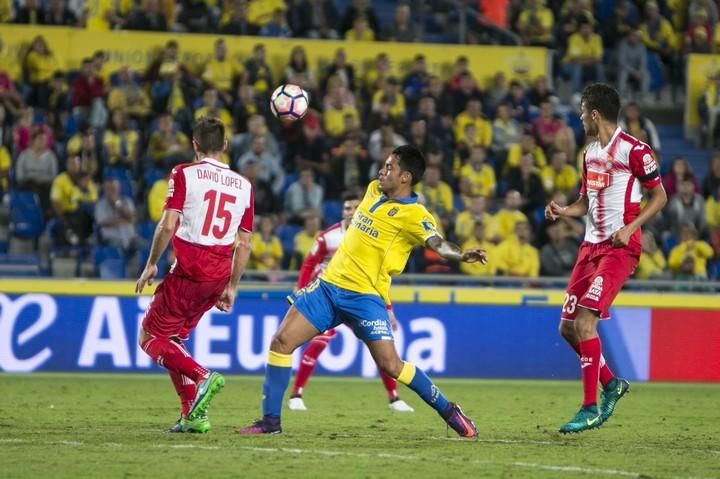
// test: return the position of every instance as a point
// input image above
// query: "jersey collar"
(214, 162)
(384, 199)
(612, 141)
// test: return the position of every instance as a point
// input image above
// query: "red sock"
(185, 388)
(590, 350)
(390, 386)
(606, 374)
(308, 363)
(174, 357)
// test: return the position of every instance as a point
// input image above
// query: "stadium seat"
(123, 176)
(657, 75)
(458, 203)
(290, 178)
(146, 230)
(109, 262)
(669, 241)
(151, 176)
(287, 233)
(163, 263)
(18, 265)
(332, 211)
(26, 216)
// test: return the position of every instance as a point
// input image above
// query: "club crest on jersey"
(597, 180)
(393, 211)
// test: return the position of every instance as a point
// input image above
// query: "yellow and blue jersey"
(378, 242)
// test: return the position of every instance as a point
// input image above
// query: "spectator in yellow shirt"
(527, 146)
(558, 175)
(334, 116)
(478, 241)
(303, 241)
(156, 198)
(535, 24)
(73, 196)
(360, 30)
(212, 108)
(473, 116)
(690, 247)
(652, 264)
(583, 60)
(510, 215)
(476, 213)
(40, 64)
(712, 218)
(260, 12)
(266, 248)
(221, 72)
(5, 164)
(477, 178)
(166, 141)
(105, 15)
(390, 92)
(657, 32)
(129, 96)
(120, 142)
(516, 256)
(437, 195)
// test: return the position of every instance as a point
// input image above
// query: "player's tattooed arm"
(453, 252)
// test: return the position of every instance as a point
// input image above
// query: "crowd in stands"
(96, 146)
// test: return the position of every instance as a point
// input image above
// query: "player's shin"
(173, 357)
(185, 388)
(277, 378)
(590, 352)
(416, 379)
(606, 374)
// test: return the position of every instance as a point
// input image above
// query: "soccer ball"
(289, 102)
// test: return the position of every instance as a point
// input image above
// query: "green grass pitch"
(107, 426)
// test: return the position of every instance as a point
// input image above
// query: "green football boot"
(200, 425)
(206, 390)
(610, 395)
(586, 418)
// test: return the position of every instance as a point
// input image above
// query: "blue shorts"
(327, 306)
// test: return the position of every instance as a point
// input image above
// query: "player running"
(315, 263)
(354, 289)
(615, 166)
(209, 216)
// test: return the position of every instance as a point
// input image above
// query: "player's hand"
(621, 238)
(475, 255)
(393, 319)
(225, 303)
(146, 278)
(553, 211)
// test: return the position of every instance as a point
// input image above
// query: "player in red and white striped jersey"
(615, 169)
(317, 259)
(209, 217)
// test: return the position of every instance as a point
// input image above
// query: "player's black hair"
(411, 160)
(603, 98)
(350, 196)
(209, 134)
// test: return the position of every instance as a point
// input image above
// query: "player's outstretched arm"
(451, 251)
(554, 211)
(164, 231)
(240, 259)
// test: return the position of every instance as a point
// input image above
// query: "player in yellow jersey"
(387, 225)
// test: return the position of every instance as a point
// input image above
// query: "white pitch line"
(587, 470)
(321, 452)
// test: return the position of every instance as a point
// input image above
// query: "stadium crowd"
(96, 146)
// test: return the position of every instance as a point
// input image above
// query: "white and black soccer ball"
(289, 102)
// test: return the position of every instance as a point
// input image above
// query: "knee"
(281, 343)
(567, 330)
(390, 366)
(585, 324)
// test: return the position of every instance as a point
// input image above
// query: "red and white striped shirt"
(612, 179)
(323, 249)
(215, 203)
